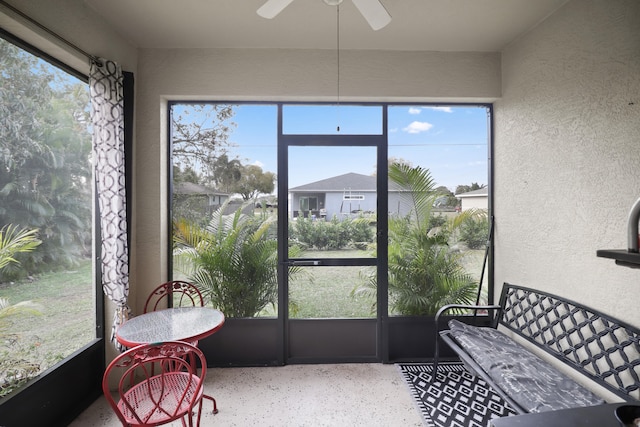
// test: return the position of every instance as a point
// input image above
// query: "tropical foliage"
(15, 369)
(44, 161)
(233, 261)
(13, 241)
(424, 274)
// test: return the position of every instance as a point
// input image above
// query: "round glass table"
(173, 324)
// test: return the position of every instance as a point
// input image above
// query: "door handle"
(305, 263)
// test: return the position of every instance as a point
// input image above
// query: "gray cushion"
(530, 381)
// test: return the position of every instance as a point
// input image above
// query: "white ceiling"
(425, 25)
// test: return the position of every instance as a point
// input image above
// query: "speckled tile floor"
(297, 395)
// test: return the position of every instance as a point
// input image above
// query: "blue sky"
(450, 141)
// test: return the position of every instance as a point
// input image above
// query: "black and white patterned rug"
(456, 399)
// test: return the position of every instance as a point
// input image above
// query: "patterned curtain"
(106, 84)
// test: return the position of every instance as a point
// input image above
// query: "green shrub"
(474, 232)
(362, 231)
(437, 221)
(331, 235)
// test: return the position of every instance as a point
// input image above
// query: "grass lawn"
(67, 315)
(325, 292)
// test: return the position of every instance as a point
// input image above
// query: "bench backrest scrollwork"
(599, 346)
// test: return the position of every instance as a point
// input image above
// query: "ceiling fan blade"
(374, 12)
(272, 8)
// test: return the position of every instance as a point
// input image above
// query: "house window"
(48, 294)
(308, 204)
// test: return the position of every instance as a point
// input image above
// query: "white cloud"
(444, 109)
(258, 163)
(414, 110)
(417, 127)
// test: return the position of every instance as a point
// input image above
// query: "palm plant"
(14, 241)
(14, 370)
(424, 274)
(233, 261)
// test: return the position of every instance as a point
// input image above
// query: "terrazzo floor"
(296, 395)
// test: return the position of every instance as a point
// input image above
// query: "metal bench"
(601, 348)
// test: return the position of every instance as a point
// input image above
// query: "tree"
(460, 189)
(188, 175)
(254, 181)
(447, 197)
(225, 173)
(200, 134)
(24, 93)
(45, 145)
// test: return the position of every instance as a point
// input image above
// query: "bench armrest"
(464, 306)
(440, 312)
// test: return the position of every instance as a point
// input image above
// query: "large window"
(47, 283)
(438, 206)
(224, 162)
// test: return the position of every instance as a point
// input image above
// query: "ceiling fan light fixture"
(271, 8)
(373, 11)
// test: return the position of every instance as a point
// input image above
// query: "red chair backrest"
(157, 383)
(178, 292)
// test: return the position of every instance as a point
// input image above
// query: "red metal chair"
(157, 384)
(176, 293)
(180, 294)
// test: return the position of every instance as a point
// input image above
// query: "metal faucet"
(632, 227)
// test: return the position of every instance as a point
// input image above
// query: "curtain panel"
(107, 101)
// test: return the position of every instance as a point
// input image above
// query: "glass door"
(331, 224)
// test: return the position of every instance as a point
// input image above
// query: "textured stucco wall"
(567, 155)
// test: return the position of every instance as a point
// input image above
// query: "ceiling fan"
(372, 10)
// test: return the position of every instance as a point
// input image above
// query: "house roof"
(483, 192)
(346, 182)
(189, 188)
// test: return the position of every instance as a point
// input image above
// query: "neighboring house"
(476, 199)
(341, 196)
(210, 199)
